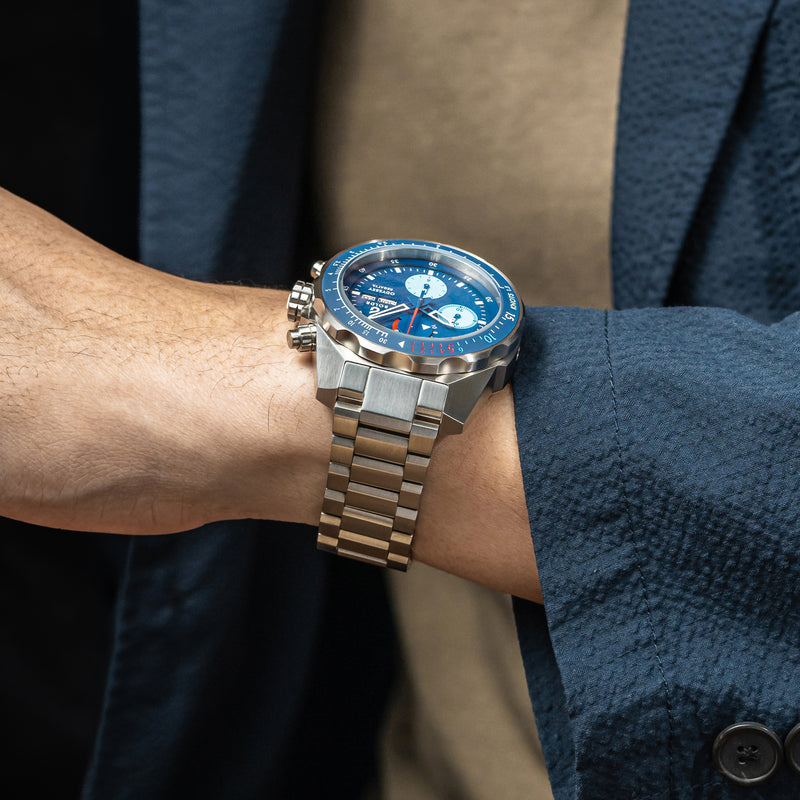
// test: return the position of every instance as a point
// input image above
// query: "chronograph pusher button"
(303, 338)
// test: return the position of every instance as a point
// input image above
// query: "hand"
(434, 313)
(386, 312)
(416, 307)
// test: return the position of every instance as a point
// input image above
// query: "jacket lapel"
(682, 76)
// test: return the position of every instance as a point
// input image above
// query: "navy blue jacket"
(659, 443)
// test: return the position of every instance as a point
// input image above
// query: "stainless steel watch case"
(467, 375)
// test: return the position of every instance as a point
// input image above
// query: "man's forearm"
(133, 401)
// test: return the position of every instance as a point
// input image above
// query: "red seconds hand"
(419, 303)
(412, 320)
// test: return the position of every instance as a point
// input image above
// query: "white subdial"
(425, 285)
(458, 316)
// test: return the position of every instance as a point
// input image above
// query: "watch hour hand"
(386, 312)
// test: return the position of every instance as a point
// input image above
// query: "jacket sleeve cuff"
(660, 461)
(565, 429)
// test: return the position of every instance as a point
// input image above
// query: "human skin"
(133, 401)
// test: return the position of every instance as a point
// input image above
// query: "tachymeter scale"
(414, 298)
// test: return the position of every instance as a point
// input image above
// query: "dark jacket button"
(747, 753)
(791, 748)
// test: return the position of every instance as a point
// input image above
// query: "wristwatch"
(408, 335)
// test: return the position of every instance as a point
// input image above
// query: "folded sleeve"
(660, 451)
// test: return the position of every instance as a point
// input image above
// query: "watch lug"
(464, 390)
(463, 395)
(331, 358)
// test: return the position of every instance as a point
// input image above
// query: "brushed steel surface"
(379, 457)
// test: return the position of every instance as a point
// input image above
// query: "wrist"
(268, 437)
(473, 519)
(375, 369)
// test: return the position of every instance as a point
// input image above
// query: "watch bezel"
(343, 322)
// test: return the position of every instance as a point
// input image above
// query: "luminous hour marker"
(397, 269)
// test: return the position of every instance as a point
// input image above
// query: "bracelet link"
(384, 428)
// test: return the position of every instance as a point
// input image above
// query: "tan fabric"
(486, 125)
(489, 126)
(462, 725)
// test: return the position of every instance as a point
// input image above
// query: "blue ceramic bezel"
(504, 324)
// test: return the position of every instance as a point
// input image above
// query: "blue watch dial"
(420, 299)
(408, 296)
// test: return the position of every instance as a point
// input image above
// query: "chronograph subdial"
(455, 315)
(422, 285)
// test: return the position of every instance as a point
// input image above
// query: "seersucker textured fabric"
(661, 446)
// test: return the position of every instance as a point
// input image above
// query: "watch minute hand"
(434, 313)
(417, 306)
(398, 309)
